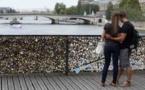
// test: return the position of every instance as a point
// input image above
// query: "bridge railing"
(43, 14)
(52, 53)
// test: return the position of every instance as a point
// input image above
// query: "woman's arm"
(103, 36)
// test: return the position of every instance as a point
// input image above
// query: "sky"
(35, 4)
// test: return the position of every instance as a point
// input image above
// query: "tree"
(132, 8)
(72, 10)
(12, 11)
(109, 10)
(88, 8)
(95, 8)
(69, 11)
(63, 11)
(59, 7)
(133, 4)
(79, 8)
(121, 5)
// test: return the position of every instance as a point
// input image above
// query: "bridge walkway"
(57, 81)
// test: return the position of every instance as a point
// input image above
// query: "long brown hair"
(114, 23)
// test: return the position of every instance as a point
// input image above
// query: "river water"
(51, 30)
(43, 26)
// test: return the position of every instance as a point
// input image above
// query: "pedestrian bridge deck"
(82, 81)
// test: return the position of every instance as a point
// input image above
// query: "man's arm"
(119, 39)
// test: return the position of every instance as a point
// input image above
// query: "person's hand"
(108, 36)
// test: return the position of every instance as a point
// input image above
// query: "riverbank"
(140, 26)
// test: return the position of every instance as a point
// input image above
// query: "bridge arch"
(100, 20)
(54, 21)
(85, 20)
(56, 18)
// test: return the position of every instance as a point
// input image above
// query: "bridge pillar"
(36, 18)
(86, 22)
(21, 18)
(55, 22)
(6, 18)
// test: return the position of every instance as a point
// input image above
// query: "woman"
(111, 48)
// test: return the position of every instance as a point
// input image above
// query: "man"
(124, 38)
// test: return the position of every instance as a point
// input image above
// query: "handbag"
(100, 48)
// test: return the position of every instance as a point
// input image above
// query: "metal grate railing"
(51, 53)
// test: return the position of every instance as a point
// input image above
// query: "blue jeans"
(108, 52)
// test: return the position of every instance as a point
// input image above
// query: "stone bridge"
(56, 18)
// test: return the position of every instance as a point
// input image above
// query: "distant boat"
(14, 21)
(16, 26)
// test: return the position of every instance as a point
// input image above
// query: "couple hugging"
(116, 40)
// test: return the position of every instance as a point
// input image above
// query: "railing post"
(67, 56)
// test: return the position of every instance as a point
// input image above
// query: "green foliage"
(79, 8)
(135, 15)
(69, 11)
(133, 4)
(63, 11)
(88, 8)
(109, 10)
(72, 10)
(132, 9)
(59, 7)
(122, 4)
(85, 8)
(95, 8)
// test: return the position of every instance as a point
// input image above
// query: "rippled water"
(43, 26)
(51, 30)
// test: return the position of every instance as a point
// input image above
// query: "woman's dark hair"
(122, 14)
(114, 23)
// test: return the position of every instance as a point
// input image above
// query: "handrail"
(55, 35)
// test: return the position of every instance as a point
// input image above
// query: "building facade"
(114, 2)
(7, 10)
(102, 5)
(86, 1)
(4, 9)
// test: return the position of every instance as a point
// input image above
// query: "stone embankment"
(139, 26)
